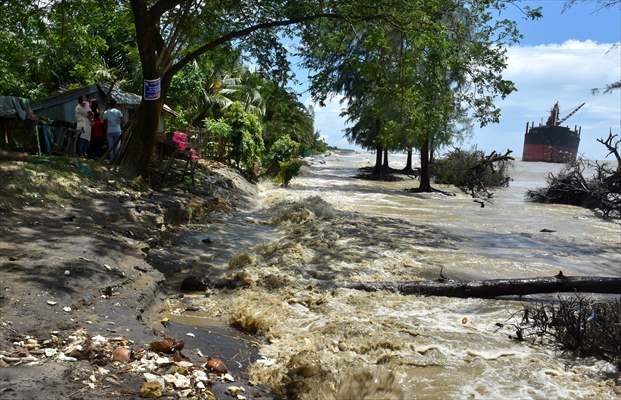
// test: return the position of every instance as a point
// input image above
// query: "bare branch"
(612, 144)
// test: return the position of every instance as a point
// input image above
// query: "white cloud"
(565, 73)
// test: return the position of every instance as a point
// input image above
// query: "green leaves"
(46, 46)
(245, 137)
(413, 75)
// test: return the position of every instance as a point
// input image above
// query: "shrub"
(581, 325)
(283, 149)
(472, 171)
(245, 137)
(287, 171)
(222, 133)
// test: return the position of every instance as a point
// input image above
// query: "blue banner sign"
(152, 89)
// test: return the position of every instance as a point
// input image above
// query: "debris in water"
(67, 272)
(151, 390)
(63, 357)
(464, 320)
(216, 365)
(179, 381)
(229, 378)
(49, 352)
(200, 375)
(98, 340)
(121, 354)
(168, 345)
(67, 309)
(235, 390)
(190, 334)
(51, 302)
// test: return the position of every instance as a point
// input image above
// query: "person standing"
(83, 125)
(98, 136)
(113, 120)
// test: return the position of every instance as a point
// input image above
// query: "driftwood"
(495, 287)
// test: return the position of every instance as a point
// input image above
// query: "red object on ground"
(180, 139)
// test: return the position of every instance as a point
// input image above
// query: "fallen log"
(495, 287)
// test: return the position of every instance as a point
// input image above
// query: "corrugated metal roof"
(61, 106)
(121, 97)
(64, 97)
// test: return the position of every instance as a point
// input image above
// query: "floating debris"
(121, 354)
(216, 365)
(235, 390)
(51, 302)
(168, 345)
(49, 352)
(151, 390)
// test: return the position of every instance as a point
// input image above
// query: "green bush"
(283, 149)
(222, 132)
(459, 168)
(287, 171)
(245, 137)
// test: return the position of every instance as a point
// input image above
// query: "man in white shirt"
(113, 121)
(83, 125)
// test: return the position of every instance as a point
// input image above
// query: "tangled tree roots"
(601, 192)
(577, 324)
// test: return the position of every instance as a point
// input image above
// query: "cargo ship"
(552, 142)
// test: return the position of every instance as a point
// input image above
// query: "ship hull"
(550, 144)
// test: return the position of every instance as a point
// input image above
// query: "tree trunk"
(408, 164)
(378, 160)
(496, 287)
(425, 179)
(385, 164)
(140, 139)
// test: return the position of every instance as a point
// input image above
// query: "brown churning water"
(346, 344)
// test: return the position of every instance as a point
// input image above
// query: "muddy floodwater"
(345, 344)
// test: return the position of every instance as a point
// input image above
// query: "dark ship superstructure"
(552, 142)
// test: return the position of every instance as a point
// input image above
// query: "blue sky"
(561, 58)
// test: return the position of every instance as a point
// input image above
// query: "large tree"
(449, 55)
(170, 34)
